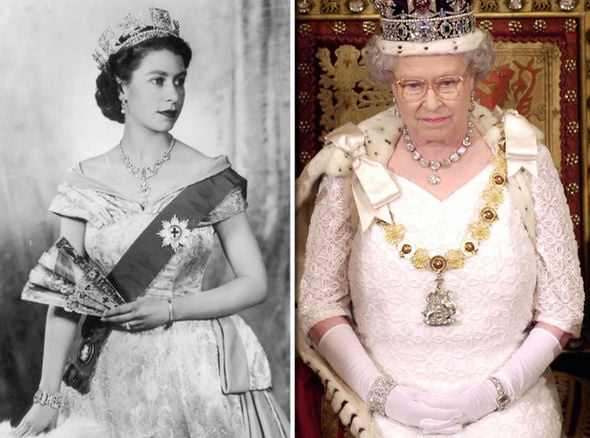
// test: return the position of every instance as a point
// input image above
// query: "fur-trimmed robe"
(382, 132)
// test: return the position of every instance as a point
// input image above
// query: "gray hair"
(380, 65)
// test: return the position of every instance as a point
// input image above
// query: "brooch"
(174, 233)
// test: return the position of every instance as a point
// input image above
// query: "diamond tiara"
(423, 21)
(132, 30)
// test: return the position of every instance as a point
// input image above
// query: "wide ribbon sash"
(144, 260)
(233, 362)
(147, 256)
(373, 187)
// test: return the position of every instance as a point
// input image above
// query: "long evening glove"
(518, 374)
(341, 347)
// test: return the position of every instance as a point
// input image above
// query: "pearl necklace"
(440, 306)
(434, 177)
(143, 173)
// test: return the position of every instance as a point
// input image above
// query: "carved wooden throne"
(542, 70)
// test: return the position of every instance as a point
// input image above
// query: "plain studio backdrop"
(237, 103)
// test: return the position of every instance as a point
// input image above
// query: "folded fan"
(65, 279)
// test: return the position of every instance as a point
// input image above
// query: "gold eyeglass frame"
(431, 85)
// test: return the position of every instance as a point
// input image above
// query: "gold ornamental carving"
(570, 25)
(570, 65)
(369, 27)
(540, 25)
(330, 6)
(576, 220)
(572, 159)
(572, 189)
(489, 5)
(346, 94)
(541, 5)
(304, 7)
(515, 26)
(304, 29)
(339, 27)
(571, 96)
(487, 25)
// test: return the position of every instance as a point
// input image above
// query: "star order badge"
(174, 233)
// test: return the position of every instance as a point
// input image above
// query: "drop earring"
(472, 103)
(123, 106)
(395, 109)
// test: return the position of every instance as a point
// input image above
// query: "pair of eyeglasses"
(446, 87)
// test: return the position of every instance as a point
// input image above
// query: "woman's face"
(155, 92)
(433, 118)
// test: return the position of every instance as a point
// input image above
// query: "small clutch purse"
(65, 279)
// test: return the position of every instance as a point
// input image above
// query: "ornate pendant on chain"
(144, 188)
(434, 165)
(144, 173)
(440, 308)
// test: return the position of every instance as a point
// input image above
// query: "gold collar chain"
(441, 308)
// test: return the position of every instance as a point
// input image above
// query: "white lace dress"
(161, 382)
(498, 292)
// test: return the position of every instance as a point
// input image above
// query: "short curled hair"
(380, 65)
(121, 66)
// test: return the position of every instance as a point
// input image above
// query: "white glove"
(406, 405)
(518, 374)
(474, 400)
(527, 363)
(342, 349)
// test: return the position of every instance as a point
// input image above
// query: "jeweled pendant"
(440, 308)
(434, 178)
(144, 192)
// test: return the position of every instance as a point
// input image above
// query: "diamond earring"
(395, 109)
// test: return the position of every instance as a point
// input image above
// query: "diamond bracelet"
(170, 314)
(51, 399)
(378, 394)
(503, 400)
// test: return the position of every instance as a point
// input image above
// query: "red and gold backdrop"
(542, 70)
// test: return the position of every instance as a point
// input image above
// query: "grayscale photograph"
(145, 189)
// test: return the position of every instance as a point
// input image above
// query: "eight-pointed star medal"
(174, 233)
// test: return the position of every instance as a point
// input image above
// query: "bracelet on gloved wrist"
(378, 394)
(502, 400)
(45, 398)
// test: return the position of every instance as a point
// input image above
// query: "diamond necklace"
(144, 173)
(440, 307)
(434, 177)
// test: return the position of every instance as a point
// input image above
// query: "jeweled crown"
(424, 21)
(132, 30)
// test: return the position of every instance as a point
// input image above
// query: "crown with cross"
(424, 21)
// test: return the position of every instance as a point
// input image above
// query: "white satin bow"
(372, 185)
(521, 144)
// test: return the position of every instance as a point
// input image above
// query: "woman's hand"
(37, 420)
(474, 400)
(407, 406)
(516, 376)
(145, 313)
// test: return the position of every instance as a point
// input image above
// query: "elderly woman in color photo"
(157, 355)
(440, 276)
